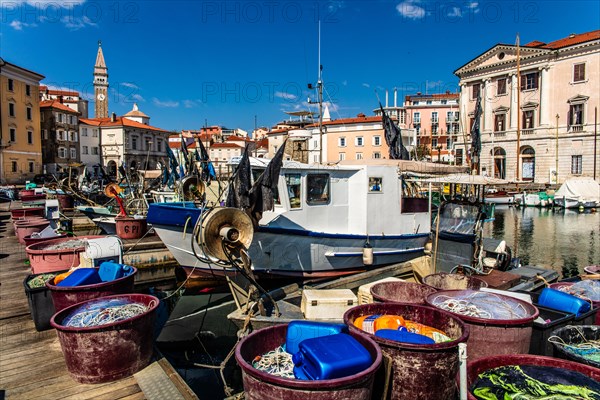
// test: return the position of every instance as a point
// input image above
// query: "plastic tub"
(419, 371)
(108, 352)
(65, 296)
(495, 336)
(263, 386)
(573, 335)
(33, 197)
(130, 228)
(65, 201)
(41, 307)
(477, 367)
(43, 260)
(444, 281)
(401, 292)
(31, 240)
(29, 227)
(26, 192)
(27, 211)
(542, 331)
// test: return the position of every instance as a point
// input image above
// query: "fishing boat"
(578, 192)
(325, 220)
(528, 199)
(499, 197)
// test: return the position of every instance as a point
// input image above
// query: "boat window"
(459, 218)
(293, 183)
(375, 184)
(318, 189)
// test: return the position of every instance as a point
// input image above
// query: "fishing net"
(104, 312)
(586, 289)
(277, 362)
(481, 305)
(39, 281)
(526, 382)
(579, 345)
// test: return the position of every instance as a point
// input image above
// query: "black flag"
(263, 191)
(239, 188)
(476, 134)
(393, 138)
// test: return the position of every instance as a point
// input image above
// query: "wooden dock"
(32, 365)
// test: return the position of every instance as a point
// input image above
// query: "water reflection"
(564, 240)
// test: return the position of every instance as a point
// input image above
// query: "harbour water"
(564, 240)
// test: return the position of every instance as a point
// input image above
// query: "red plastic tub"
(26, 192)
(65, 201)
(495, 336)
(108, 352)
(27, 228)
(401, 292)
(22, 220)
(418, 371)
(474, 368)
(43, 260)
(33, 197)
(65, 296)
(259, 385)
(31, 240)
(130, 228)
(27, 211)
(444, 281)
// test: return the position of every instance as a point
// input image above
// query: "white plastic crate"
(327, 303)
(364, 291)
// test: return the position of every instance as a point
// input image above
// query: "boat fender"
(367, 254)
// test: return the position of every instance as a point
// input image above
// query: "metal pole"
(556, 165)
(595, 137)
(518, 106)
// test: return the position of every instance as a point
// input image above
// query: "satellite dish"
(192, 187)
(229, 226)
(112, 190)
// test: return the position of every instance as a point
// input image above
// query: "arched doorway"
(528, 163)
(111, 168)
(499, 163)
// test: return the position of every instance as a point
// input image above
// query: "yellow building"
(20, 138)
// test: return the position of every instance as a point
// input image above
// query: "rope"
(39, 281)
(98, 316)
(185, 227)
(480, 305)
(277, 362)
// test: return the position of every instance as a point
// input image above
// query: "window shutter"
(569, 118)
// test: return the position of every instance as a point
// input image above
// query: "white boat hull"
(566, 202)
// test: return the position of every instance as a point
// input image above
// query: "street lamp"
(556, 161)
(149, 145)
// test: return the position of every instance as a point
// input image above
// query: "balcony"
(576, 128)
(527, 131)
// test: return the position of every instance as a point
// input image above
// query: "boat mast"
(320, 91)
(518, 106)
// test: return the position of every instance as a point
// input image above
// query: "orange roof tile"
(226, 145)
(121, 121)
(573, 39)
(58, 92)
(58, 105)
(89, 121)
(348, 121)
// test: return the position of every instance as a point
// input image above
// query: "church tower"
(100, 85)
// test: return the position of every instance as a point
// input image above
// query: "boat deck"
(32, 365)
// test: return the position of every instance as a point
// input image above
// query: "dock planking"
(32, 365)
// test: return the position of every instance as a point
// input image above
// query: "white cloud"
(189, 103)
(366, 85)
(18, 25)
(474, 6)
(333, 6)
(455, 12)
(165, 104)
(138, 97)
(286, 96)
(76, 23)
(409, 9)
(129, 85)
(42, 4)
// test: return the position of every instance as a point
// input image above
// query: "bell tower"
(100, 85)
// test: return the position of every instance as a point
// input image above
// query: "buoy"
(367, 254)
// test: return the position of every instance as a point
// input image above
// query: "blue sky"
(187, 63)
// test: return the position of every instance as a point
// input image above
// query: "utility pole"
(595, 137)
(556, 161)
(518, 107)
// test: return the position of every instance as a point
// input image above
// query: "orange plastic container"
(130, 228)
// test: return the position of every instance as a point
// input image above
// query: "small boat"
(500, 197)
(566, 202)
(107, 224)
(576, 192)
(588, 203)
(528, 200)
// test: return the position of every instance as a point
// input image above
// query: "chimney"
(395, 97)
(386, 99)
(113, 117)
(60, 99)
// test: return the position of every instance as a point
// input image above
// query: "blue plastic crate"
(80, 277)
(300, 330)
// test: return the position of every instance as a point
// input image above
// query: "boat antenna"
(320, 90)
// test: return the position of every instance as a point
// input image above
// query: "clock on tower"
(100, 85)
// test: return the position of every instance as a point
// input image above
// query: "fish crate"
(586, 318)
(364, 291)
(327, 304)
(554, 319)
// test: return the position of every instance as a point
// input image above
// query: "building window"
(499, 122)
(377, 155)
(417, 118)
(579, 73)
(70, 119)
(444, 102)
(359, 141)
(11, 86)
(29, 137)
(434, 143)
(576, 165)
(434, 129)
(359, 156)
(501, 86)
(134, 143)
(59, 135)
(59, 117)
(576, 114)
(73, 152)
(528, 119)
(13, 135)
(376, 140)
(529, 81)
(475, 90)
(11, 109)
(73, 136)
(428, 102)
(342, 156)
(31, 166)
(27, 90)
(29, 117)
(342, 142)
(434, 117)
(448, 143)
(84, 132)
(45, 134)
(84, 150)
(95, 133)
(415, 103)
(94, 151)
(62, 152)
(13, 166)
(318, 189)
(375, 184)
